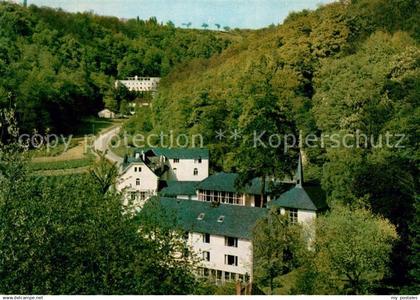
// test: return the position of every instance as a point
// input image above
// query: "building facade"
(218, 217)
(138, 183)
(148, 170)
(140, 84)
(106, 114)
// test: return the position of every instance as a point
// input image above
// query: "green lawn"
(94, 126)
(65, 164)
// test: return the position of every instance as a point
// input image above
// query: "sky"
(233, 13)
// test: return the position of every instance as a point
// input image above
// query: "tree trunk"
(262, 191)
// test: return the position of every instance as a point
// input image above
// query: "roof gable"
(302, 197)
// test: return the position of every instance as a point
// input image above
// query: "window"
(176, 160)
(221, 219)
(139, 169)
(143, 195)
(138, 181)
(293, 215)
(231, 241)
(197, 160)
(135, 169)
(206, 238)
(206, 255)
(231, 260)
(219, 275)
(195, 171)
(185, 236)
(200, 216)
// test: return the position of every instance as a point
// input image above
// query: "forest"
(57, 67)
(347, 67)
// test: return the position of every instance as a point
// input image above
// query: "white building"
(138, 182)
(142, 173)
(140, 84)
(106, 114)
(220, 234)
(220, 217)
(221, 188)
(180, 164)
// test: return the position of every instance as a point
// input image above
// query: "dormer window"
(221, 219)
(200, 216)
(197, 160)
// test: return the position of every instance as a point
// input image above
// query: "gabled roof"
(307, 198)
(294, 198)
(180, 153)
(301, 196)
(175, 188)
(238, 221)
(128, 161)
(126, 164)
(225, 182)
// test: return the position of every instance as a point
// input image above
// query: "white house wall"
(183, 170)
(127, 181)
(306, 216)
(218, 250)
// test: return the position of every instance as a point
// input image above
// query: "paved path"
(102, 144)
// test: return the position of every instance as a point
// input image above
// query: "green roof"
(308, 198)
(180, 153)
(238, 221)
(175, 188)
(225, 182)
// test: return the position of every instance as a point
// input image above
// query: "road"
(102, 144)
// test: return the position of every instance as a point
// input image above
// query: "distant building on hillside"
(140, 84)
(23, 2)
(106, 114)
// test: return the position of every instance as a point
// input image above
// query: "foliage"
(263, 124)
(61, 164)
(352, 252)
(340, 69)
(73, 239)
(104, 172)
(278, 248)
(61, 67)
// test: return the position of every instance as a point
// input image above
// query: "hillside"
(58, 67)
(347, 67)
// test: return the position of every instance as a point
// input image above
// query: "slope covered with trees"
(57, 67)
(348, 67)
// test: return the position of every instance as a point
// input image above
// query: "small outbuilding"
(106, 114)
